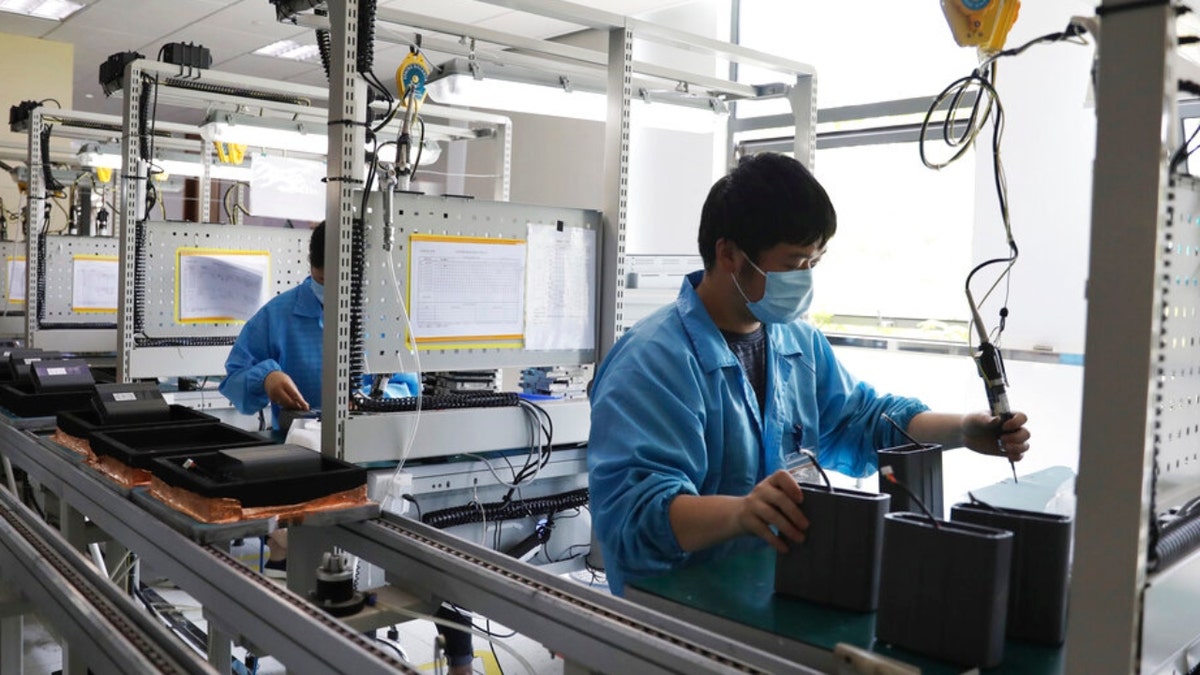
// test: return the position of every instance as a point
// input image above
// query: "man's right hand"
(775, 501)
(283, 391)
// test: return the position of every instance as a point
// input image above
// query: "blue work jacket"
(285, 334)
(673, 413)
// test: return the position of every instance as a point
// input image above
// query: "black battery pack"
(19, 361)
(838, 563)
(264, 476)
(918, 467)
(1037, 591)
(60, 375)
(129, 403)
(944, 589)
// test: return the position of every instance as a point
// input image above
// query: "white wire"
(406, 449)
(453, 174)
(474, 631)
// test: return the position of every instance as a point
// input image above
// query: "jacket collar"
(707, 341)
(306, 301)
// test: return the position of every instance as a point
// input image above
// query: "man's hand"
(775, 501)
(283, 391)
(984, 434)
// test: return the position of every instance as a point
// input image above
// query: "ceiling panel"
(89, 38)
(528, 25)
(463, 11)
(150, 17)
(16, 24)
(246, 15)
(267, 66)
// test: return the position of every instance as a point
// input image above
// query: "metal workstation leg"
(12, 626)
(220, 646)
(304, 555)
(73, 526)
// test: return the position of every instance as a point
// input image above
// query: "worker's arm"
(980, 432)
(703, 521)
(248, 365)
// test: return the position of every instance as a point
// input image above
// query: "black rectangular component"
(19, 361)
(130, 403)
(112, 71)
(210, 474)
(18, 116)
(279, 461)
(1037, 592)
(919, 468)
(944, 589)
(60, 375)
(838, 563)
(23, 401)
(186, 54)
(138, 446)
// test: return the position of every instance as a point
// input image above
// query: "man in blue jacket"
(696, 407)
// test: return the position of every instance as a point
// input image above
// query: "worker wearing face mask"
(695, 408)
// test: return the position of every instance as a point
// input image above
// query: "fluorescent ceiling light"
(99, 159)
(265, 132)
(56, 10)
(289, 49)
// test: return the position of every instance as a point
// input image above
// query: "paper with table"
(220, 286)
(560, 305)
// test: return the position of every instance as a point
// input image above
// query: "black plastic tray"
(838, 563)
(1037, 593)
(22, 401)
(944, 590)
(138, 446)
(83, 423)
(205, 478)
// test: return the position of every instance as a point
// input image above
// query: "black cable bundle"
(482, 399)
(1176, 538)
(323, 46)
(41, 281)
(358, 257)
(48, 171)
(366, 36)
(206, 341)
(144, 114)
(234, 91)
(139, 276)
(509, 510)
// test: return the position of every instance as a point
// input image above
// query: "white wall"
(1048, 146)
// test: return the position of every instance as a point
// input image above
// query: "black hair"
(316, 247)
(767, 199)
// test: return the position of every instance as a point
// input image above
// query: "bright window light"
(56, 10)
(289, 49)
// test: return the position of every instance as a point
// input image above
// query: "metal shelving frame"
(623, 75)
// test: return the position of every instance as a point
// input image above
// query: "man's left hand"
(984, 433)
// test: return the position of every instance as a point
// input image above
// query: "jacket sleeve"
(646, 446)
(248, 365)
(852, 426)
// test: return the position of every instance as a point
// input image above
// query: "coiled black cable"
(358, 256)
(41, 280)
(490, 399)
(207, 341)
(323, 46)
(52, 185)
(366, 36)
(510, 510)
(235, 91)
(1175, 540)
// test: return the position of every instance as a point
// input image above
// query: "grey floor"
(43, 655)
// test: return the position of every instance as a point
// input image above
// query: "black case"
(83, 423)
(130, 402)
(1037, 592)
(838, 563)
(219, 474)
(138, 446)
(20, 359)
(60, 375)
(944, 591)
(919, 468)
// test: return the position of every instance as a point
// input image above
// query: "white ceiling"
(233, 29)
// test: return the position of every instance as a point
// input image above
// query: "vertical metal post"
(37, 205)
(616, 185)
(346, 156)
(305, 545)
(735, 37)
(206, 152)
(504, 161)
(131, 206)
(803, 99)
(220, 646)
(1124, 329)
(11, 644)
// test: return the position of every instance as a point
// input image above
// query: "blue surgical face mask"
(786, 298)
(319, 291)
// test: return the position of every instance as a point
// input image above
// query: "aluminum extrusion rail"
(595, 629)
(239, 601)
(99, 621)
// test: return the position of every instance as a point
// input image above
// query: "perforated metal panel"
(1177, 424)
(60, 276)
(383, 322)
(289, 267)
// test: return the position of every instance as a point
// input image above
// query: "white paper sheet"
(16, 280)
(283, 187)
(466, 289)
(215, 287)
(94, 284)
(560, 307)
